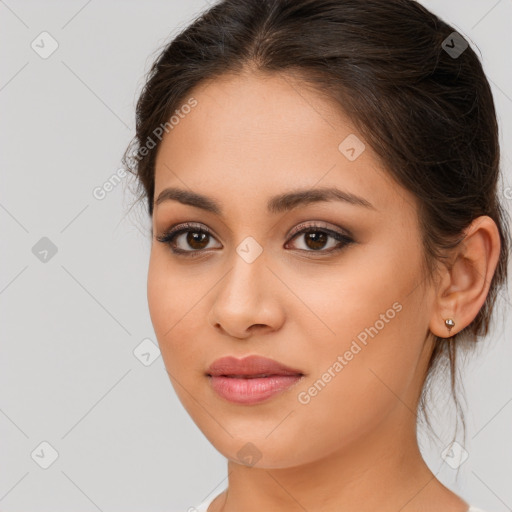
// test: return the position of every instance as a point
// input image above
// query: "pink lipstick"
(252, 379)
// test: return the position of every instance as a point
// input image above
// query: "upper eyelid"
(299, 229)
(302, 226)
(185, 226)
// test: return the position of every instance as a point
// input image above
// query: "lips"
(249, 367)
(251, 380)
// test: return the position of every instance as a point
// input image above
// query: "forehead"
(247, 110)
(254, 134)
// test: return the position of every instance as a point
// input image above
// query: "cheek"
(362, 372)
(168, 293)
(165, 300)
(174, 303)
(371, 335)
(159, 300)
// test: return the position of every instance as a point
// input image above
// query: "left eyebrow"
(276, 204)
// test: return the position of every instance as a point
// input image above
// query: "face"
(333, 288)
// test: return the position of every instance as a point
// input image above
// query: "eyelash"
(169, 236)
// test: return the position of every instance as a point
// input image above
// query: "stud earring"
(449, 324)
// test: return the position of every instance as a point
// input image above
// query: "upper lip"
(250, 365)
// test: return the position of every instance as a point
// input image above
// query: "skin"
(353, 447)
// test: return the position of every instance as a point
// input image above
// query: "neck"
(383, 471)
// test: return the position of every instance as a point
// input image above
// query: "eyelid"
(185, 226)
(320, 225)
(295, 230)
(343, 236)
(181, 228)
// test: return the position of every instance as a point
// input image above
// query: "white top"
(203, 506)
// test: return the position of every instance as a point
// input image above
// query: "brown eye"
(316, 239)
(186, 239)
(191, 240)
(197, 239)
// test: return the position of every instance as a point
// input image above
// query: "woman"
(321, 177)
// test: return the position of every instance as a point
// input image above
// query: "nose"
(246, 300)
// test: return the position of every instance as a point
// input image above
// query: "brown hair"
(428, 114)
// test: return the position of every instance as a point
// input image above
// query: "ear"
(464, 284)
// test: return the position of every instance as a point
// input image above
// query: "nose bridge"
(248, 271)
(244, 298)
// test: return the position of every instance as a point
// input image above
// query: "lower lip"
(250, 391)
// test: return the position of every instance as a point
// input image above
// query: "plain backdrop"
(75, 381)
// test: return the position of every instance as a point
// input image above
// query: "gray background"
(70, 325)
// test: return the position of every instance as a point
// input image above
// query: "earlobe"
(465, 284)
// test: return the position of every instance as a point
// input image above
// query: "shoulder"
(203, 505)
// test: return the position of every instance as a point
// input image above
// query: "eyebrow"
(276, 204)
